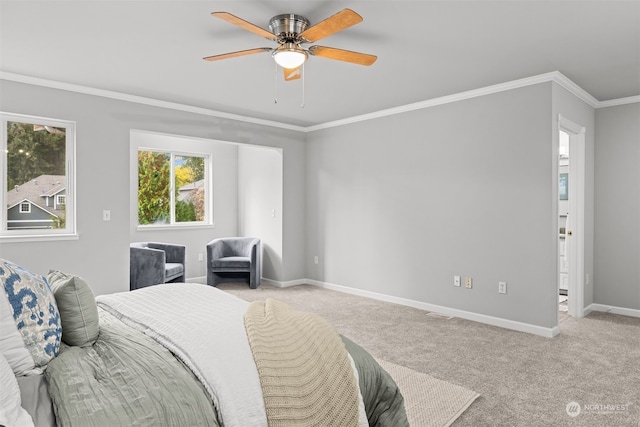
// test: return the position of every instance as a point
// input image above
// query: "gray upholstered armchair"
(152, 263)
(233, 258)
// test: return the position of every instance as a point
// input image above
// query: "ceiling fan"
(291, 31)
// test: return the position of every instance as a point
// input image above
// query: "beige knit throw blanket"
(304, 368)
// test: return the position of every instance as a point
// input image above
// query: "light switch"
(106, 215)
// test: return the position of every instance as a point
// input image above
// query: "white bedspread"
(206, 330)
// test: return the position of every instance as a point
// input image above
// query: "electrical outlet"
(502, 287)
(315, 259)
(468, 282)
(201, 257)
(456, 281)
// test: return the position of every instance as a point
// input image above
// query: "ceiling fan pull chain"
(275, 84)
(302, 69)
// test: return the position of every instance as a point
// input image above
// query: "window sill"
(174, 227)
(38, 238)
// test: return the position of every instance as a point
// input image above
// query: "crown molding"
(573, 88)
(619, 101)
(554, 76)
(142, 100)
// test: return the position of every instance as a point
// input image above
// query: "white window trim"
(34, 235)
(28, 210)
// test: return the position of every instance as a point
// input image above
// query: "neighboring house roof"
(36, 190)
(186, 192)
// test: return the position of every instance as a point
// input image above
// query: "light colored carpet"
(429, 402)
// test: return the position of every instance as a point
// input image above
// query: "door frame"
(576, 241)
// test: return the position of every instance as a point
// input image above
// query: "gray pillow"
(77, 306)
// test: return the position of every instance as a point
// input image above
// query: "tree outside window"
(171, 188)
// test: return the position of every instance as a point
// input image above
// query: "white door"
(574, 231)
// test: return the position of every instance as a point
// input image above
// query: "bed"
(178, 355)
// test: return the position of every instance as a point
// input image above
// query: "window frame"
(208, 211)
(25, 235)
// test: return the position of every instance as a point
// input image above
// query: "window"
(37, 164)
(171, 188)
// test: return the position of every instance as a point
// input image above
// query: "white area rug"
(429, 401)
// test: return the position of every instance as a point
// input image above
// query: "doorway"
(571, 227)
(563, 224)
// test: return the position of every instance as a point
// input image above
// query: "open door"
(575, 224)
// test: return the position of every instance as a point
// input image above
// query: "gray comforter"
(127, 379)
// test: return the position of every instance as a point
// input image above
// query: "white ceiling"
(426, 49)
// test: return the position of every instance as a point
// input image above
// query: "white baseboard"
(203, 279)
(612, 309)
(476, 317)
(468, 315)
(284, 284)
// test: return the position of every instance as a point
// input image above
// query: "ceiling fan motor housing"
(288, 26)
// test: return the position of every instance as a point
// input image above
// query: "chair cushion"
(231, 263)
(173, 270)
(237, 246)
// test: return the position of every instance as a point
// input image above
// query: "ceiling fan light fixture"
(290, 55)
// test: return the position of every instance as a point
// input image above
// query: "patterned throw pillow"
(34, 311)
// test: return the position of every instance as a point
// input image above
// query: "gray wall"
(401, 204)
(617, 207)
(260, 203)
(101, 254)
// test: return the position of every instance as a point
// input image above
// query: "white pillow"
(11, 411)
(11, 343)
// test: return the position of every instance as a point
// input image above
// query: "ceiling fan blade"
(238, 53)
(292, 73)
(338, 22)
(245, 25)
(343, 55)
